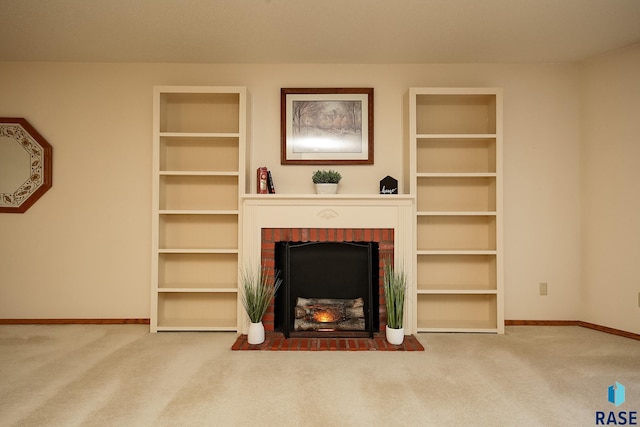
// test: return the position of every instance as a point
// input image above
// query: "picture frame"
(326, 126)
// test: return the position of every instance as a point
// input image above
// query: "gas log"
(313, 314)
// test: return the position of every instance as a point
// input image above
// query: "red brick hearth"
(275, 341)
(383, 236)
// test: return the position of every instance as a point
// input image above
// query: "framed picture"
(326, 126)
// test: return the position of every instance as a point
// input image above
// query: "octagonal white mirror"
(25, 165)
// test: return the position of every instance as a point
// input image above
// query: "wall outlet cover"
(543, 288)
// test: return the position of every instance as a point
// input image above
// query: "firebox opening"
(329, 314)
(329, 289)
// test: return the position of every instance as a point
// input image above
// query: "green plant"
(258, 289)
(326, 177)
(395, 287)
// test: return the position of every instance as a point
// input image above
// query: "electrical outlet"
(543, 288)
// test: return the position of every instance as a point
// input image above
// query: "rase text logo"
(616, 396)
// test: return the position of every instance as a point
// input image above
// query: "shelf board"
(456, 213)
(457, 252)
(197, 329)
(197, 251)
(199, 290)
(200, 134)
(457, 292)
(459, 330)
(199, 173)
(197, 325)
(198, 212)
(455, 135)
(456, 175)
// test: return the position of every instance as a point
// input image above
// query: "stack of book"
(265, 181)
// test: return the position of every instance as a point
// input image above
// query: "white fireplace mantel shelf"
(393, 198)
(326, 211)
(395, 212)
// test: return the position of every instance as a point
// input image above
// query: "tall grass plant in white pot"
(395, 290)
(258, 290)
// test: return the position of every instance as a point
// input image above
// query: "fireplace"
(328, 289)
(386, 220)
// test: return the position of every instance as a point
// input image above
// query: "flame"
(323, 316)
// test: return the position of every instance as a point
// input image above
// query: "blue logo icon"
(616, 394)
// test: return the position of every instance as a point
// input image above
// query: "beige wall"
(83, 251)
(610, 195)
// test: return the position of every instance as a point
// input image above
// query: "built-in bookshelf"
(199, 140)
(455, 144)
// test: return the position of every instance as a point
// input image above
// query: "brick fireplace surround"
(384, 238)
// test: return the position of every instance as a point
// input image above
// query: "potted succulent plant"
(326, 181)
(258, 290)
(395, 288)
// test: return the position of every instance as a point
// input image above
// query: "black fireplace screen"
(328, 289)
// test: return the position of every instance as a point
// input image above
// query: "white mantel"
(332, 211)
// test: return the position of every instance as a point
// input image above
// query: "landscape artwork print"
(326, 128)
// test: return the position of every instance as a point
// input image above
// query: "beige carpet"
(120, 375)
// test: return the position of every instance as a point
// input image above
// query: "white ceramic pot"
(256, 333)
(326, 188)
(395, 336)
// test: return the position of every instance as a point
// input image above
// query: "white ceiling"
(315, 31)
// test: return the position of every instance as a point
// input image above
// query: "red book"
(263, 177)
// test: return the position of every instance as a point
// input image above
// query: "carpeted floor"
(120, 375)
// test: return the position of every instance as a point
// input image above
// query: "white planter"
(395, 336)
(326, 188)
(256, 333)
